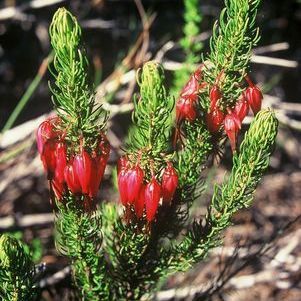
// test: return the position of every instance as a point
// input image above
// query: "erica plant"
(120, 250)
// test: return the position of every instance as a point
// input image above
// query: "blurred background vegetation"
(119, 36)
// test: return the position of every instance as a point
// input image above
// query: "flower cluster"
(136, 191)
(251, 97)
(79, 172)
(186, 104)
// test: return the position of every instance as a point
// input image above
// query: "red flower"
(241, 108)
(152, 198)
(61, 161)
(140, 202)
(48, 158)
(83, 166)
(214, 95)
(253, 96)
(45, 132)
(232, 126)
(58, 188)
(122, 186)
(185, 109)
(134, 180)
(71, 179)
(214, 120)
(169, 183)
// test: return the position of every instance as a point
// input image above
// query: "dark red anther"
(152, 195)
(253, 96)
(169, 183)
(214, 95)
(241, 108)
(140, 202)
(185, 110)
(82, 166)
(61, 162)
(71, 179)
(214, 120)
(134, 182)
(232, 125)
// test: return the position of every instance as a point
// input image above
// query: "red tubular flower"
(71, 179)
(169, 183)
(48, 158)
(253, 96)
(58, 188)
(232, 126)
(45, 132)
(241, 108)
(214, 95)
(214, 120)
(122, 186)
(140, 202)
(152, 196)
(134, 182)
(83, 167)
(61, 162)
(185, 109)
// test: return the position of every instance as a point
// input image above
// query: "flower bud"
(232, 126)
(169, 183)
(71, 179)
(152, 196)
(214, 120)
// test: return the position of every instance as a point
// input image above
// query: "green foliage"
(230, 48)
(236, 192)
(152, 114)
(17, 271)
(78, 236)
(73, 96)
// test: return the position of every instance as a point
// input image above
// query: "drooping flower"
(253, 96)
(241, 108)
(214, 95)
(134, 180)
(71, 178)
(140, 202)
(83, 166)
(122, 186)
(48, 158)
(169, 183)
(152, 195)
(61, 161)
(232, 125)
(186, 109)
(214, 120)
